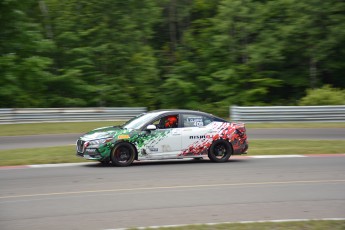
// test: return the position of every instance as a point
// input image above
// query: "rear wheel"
(123, 154)
(220, 151)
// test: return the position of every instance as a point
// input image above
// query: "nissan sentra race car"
(165, 134)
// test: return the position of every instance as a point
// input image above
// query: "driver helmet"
(170, 122)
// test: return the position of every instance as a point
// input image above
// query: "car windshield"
(139, 121)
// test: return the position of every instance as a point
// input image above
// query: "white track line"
(185, 187)
(59, 165)
(276, 156)
(233, 157)
(236, 222)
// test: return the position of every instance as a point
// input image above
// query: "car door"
(166, 139)
(195, 133)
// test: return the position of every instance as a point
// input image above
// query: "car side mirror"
(151, 127)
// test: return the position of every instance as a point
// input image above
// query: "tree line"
(196, 54)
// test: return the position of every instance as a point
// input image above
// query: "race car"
(165, 134)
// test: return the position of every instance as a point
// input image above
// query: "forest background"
(195, 54)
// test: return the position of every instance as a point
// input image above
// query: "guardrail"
(287, 113)
(33, 115)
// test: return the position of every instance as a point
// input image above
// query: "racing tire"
(220, 151)
(123, 154)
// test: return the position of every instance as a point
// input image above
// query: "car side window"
(192, 120)
(167, 122)
(207, 120)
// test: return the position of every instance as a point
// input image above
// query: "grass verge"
(52, 128)
(284, 147)
(312, 125)
(66, 154)
(295, 225)
(82, 127)
(50, 155)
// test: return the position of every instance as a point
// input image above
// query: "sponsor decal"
(124, 136)
(90, 150)
(152, 149)
(166, 148)
(196, 121)
(201, 137)
(197, 137)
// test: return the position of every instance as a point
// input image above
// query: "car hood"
(104, 132)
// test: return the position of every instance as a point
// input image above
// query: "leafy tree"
(217, 48)
(106, 44)
(297, 42)
(197, 54)
(24, 68)
(183, 74)
(324, 96)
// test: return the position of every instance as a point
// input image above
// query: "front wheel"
(220, 151)
(123, 154)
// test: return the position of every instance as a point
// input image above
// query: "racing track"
(176, 192)
(34, 141)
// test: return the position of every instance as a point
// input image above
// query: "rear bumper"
(242, 150)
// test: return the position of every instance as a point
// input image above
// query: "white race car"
(165, 134)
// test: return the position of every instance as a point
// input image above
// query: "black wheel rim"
(122, 155)
(220, 151)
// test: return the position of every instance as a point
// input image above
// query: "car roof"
(162, 111)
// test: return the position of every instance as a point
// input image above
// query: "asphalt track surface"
(34, 141)
(172, 192)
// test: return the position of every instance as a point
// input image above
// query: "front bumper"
(87, 153)
(89, 157)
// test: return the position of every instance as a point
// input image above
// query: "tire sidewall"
(211, 152)
(131, 150)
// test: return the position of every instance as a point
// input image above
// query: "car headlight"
(99, 141)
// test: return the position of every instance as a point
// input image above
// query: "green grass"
(82, 127)
(66, 154)
(297, 125)
(52, 128)
(282, 147)
(51, 155)
(295, 225)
